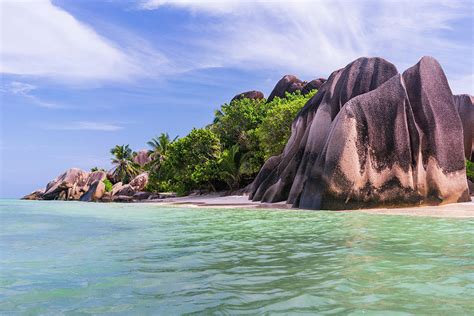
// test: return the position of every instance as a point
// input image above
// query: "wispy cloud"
(40, 39)
(85, 126)
(24, 90)
(313, 38)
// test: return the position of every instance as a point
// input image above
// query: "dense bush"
(108, 185)
(470, 170)
(191, 163)
(229, 152)
(275, 129)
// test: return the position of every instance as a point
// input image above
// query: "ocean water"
(84, 258)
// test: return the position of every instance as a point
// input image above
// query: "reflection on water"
(76, 257)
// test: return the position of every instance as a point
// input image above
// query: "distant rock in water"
(372, 137)
(254, 95)
(464, 105)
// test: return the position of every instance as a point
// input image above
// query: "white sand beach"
(457, 210)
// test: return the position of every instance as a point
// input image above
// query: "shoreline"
(454, 210)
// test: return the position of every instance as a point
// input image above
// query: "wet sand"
(457, 210)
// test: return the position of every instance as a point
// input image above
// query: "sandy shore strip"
(457, 210)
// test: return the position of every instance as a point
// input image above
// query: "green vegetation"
(108, 185)
(275, 129)
(125, 168)
(225, 155)
(470, 170)
(94, 169)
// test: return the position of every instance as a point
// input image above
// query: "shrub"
(108, 185)
(275, 129)
(470, 170)
(191, 163)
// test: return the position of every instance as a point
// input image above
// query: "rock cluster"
(288, 83)
(76, 184)
(373, 137)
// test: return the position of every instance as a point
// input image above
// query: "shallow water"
(76, 258)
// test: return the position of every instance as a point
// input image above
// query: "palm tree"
(125, 168)
(159, 147)
(231, 165)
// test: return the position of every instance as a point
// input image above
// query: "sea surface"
(83, 258)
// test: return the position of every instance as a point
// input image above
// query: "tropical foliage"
(275, 129)
(125, 168)
(470, 170)
(108, 185)
(225, 155)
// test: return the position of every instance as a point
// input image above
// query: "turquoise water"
(80, 258)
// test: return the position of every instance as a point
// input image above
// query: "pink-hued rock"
(142, 157)
(288, 83)
(139, 182)
(372, 137)
(254, 95)
(125, 190)
(35, 195)
(65, 183)
(95, 192)
(313, 85)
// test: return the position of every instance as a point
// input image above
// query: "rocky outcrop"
(313, 85)
(95, 192)
(66, 185)
(288, 83)
(465, 108)
(76, 184)
(371, 137)
(142, 157)
(139, 182)
(254, 95)
(35, 195)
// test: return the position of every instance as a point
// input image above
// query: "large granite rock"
(65, 185)
(73, 184)
(95, 192)
(371, 137)
(35, 195)
(254, 95)
(465, 107)
(142, 157)
(139, 182)
(125, 190)
(288, 83)
(313, 85)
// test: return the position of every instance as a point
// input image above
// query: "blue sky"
(78, 77)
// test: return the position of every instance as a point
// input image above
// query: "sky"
(81, 76)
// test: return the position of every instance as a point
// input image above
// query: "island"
(366, 137)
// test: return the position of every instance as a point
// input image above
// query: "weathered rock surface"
(371, 137)
(142, 157)
(95, 191)
(35, 195)
(65, 186)
(288, 83)
(139, 182)
(254, 95)
(125, 190)
(465, 108)
(313, 85)
(117, 187)
(139, 196)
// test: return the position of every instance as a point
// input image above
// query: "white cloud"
(24, 90)
(40, 39)
(313, 38)
(86, 126)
